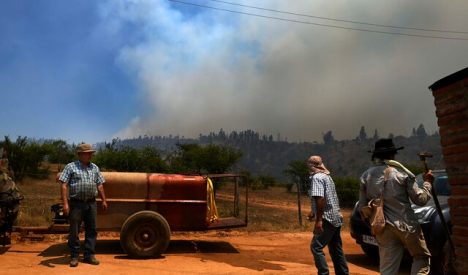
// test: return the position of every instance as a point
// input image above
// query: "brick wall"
(451, 101)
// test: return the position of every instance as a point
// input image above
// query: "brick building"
(451, 101)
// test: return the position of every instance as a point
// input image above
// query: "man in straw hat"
(398, 185)
(81, 182)
(328, 219)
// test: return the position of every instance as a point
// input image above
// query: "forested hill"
(265, 155)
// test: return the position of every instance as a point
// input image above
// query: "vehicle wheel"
(443, 264)
(145, 234)
(371, 251)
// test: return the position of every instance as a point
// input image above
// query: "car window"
(442, 187)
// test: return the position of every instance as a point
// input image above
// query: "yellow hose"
(212, 210)
(396, 164)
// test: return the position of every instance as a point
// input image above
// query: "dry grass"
(273, 209)
(39, 196)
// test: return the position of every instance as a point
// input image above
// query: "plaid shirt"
(322, 185)
(82, 180)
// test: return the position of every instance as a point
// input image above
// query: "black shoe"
(91, 260)
(74, 262)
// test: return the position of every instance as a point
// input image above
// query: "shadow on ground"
(217, 251)
(60, 252)
(175, 247)
(363, 261)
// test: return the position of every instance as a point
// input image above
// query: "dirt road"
(231, 252)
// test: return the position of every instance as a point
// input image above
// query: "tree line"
(265, 160)
(29, 158)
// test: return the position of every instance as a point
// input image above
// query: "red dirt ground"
(222, 252)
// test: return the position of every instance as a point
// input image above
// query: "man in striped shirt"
(328, 219)
(81, 182)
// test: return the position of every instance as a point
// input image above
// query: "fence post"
(298, 185)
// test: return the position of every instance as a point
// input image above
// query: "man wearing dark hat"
(81, 182)
(398, 185)
(328, 219)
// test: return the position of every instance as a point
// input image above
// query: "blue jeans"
(331, 238)
(82, 212)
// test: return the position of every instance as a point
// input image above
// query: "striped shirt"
(322, 185)
(82, 180)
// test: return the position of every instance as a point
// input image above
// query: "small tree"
(347, 189)
(58, 151)
(376, 135)
(25, 157)
(421, 132)
(362, 134)
(211, 159)
(328, 138)
(127, 159)
(298, 171)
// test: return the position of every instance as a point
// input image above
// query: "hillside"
(262, 155)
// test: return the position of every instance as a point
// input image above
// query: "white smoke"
(209, 70)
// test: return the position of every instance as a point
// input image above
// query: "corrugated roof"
(450, 79)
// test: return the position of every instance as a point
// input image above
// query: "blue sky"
(58, 73)
(94, 70)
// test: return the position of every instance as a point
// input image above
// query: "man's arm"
(420, 196)
(311, 214)
(320, 204)
(66, 207)
(362, 198)
(318, 195)
(362, 193)
(102, 195)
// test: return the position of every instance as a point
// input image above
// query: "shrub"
(347, 189)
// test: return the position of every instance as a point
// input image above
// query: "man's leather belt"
(80, 200)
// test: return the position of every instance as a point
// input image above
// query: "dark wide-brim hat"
(385, 145)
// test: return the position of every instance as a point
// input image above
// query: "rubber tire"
(145, 234)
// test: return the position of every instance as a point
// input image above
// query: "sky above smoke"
(103, 69)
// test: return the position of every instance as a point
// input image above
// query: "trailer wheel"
(145, 234)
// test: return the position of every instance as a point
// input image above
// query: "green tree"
(362, 134)
(211, 159)
(58, 151)
(262, 182)
(127, 159)
(25, 157)
(347, 189)
(328, 138)
(421, 131)
(376, 135)
(298, 171)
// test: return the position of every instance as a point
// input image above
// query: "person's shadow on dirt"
(60, 251)
(64, 260)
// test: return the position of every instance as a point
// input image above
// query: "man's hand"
(310, 216)
(66, 209)
(102, 194)
(318, 228)
(429, 177)
(104, 205)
